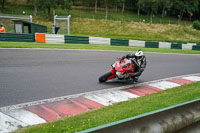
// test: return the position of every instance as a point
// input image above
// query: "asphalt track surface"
(34, 74)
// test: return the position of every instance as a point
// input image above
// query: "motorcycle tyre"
(105, 77)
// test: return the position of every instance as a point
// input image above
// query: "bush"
(196, 25)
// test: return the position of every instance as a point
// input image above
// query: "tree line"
(176, 8)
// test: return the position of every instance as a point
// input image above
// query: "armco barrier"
(119, 42)
(99, 40)
(164, 45)
(197, 47)
(187, 46)
(136, 43)
(54, 38)
(17, 37)
(176, 46)
(167, 120)
(151, 44)
(77, 39)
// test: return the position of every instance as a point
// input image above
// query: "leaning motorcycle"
(122, 69)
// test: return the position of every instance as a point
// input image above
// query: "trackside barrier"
(99, 40)
(55, 38)
(188, 46)
(197, 47)
(176, 46)
(170, 119)
(151, 44)
(136, 43)
(119, 42)
(40, 37)
(77, 39)
(17, 37)
(164, 45)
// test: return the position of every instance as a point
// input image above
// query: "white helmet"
(139, 54)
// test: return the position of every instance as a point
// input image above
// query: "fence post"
(68, 24)
(31, 18)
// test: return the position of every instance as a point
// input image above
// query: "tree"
(140, 4)
(35, 3)
(95, 8)
(149, 6)
(2, 2)
(89, 3)
(154, 5)
(164, 5)
(185, 6)
(109, 3)
(122, 2)
(49, 4)
(65, 4)
(43, 4)
(106, 6)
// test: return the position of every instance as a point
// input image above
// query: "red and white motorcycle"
(121, 69)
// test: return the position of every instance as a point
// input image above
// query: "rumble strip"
(38, 112)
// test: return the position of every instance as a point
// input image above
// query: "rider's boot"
(135, 79)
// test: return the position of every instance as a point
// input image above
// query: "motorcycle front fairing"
(122, 68)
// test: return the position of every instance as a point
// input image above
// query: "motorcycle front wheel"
(105, 77)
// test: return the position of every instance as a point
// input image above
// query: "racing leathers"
(139, 63)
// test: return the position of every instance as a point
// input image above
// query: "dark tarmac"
(28, 75)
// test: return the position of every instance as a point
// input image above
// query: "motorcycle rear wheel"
(105, 77)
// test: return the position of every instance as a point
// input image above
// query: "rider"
(139, 60)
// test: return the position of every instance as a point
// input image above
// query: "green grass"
(91, 47)
(86, 12)
(119, 111)
(121, 30)
(85, 22)
(134, 30)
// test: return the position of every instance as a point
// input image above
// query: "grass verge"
(127, 25)
(119, 111)
(91, 47)
(133, 30)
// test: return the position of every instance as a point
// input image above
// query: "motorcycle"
(122, 69)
